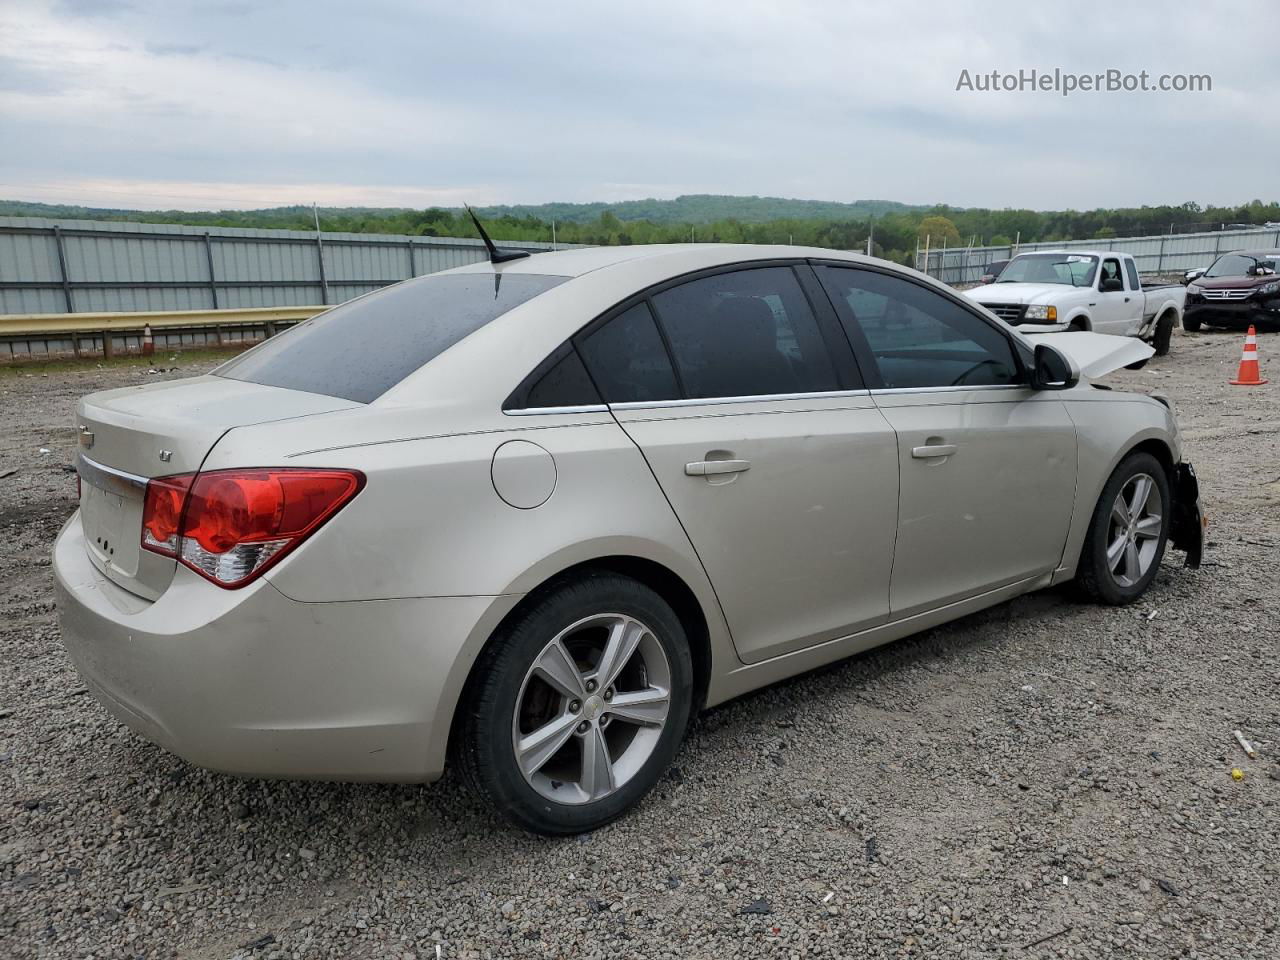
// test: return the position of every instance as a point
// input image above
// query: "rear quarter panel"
(429, 523)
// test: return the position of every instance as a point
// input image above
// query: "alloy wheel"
(1133, 534)
(591, 709)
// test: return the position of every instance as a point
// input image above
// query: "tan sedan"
(529, 516)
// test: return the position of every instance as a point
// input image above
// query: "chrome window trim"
(536, 411)
(760, 398)
(108, 478)
(952, 389)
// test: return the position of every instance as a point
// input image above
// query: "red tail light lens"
(162, 513)
(231, 525)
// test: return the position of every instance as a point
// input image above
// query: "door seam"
(688, 539)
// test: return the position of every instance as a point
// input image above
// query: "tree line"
(895, 229)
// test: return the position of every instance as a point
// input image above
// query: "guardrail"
(25, 335)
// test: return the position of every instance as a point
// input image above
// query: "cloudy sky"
(396, 102)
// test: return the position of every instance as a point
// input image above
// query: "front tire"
(1163, 335)
(1127, 532)
(577, 707)
(1190, 324)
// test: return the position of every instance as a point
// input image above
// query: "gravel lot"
(1045, 771)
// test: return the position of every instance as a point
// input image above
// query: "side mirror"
(1113, 285)
(1052, 370)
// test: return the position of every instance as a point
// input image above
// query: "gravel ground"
(1046, 779)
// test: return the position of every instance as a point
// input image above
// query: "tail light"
(231, 525)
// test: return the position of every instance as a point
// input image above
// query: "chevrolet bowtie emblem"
(86, 437)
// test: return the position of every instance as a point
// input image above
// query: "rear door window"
(565, 384)
(745, 333)
(361, 349)
(628, 360)
(915, 336)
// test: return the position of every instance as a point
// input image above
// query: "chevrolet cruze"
(527, 517)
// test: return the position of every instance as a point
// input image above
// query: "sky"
(230, 104)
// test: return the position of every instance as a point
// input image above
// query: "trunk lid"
(132, 434)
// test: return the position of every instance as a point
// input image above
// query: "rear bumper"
(251, 682)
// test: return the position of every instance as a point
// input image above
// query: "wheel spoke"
(1149, 526)
(1115, 552)
(1141, 492)
(1120, 512)
(556, 667)
(535, 749)
(644, 707)
(1132, 568)
(624, 637)
(597, 766)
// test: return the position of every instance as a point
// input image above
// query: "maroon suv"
(1239, 289)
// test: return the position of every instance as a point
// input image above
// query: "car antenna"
(495, 255)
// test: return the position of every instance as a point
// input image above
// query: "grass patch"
(162, 358)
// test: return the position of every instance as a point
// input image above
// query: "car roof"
(1073, 253)
(682, 257)
(500, 354)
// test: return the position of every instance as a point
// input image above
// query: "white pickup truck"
(1093, 290)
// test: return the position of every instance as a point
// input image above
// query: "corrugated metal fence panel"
(32, 301)
(1169, 254)
(145, 266)
(29, 257)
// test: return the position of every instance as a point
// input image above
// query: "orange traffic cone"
(148, 341)
(1248, 375)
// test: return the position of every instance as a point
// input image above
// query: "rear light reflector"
(231, 525)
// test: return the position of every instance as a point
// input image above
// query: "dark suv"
(1239, 289)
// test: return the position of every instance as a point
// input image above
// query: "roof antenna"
(495, 255)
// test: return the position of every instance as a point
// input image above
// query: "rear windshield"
(361, 349)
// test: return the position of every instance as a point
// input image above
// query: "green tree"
(938, 230)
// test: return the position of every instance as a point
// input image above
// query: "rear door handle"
(710, 468)
(933, 450)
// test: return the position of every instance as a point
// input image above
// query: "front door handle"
(710, 468)
(933, 450)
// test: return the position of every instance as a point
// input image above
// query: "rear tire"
(564, 744)
(1163, 335)
(1127, 532)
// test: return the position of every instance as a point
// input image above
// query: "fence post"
(1160, 261)
(413, 267)
(324, 283)
(62, 265)
(213, 280)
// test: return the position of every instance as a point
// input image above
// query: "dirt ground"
(1045, 779)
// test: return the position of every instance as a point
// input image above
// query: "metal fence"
(1154, 255)
(71, 266)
